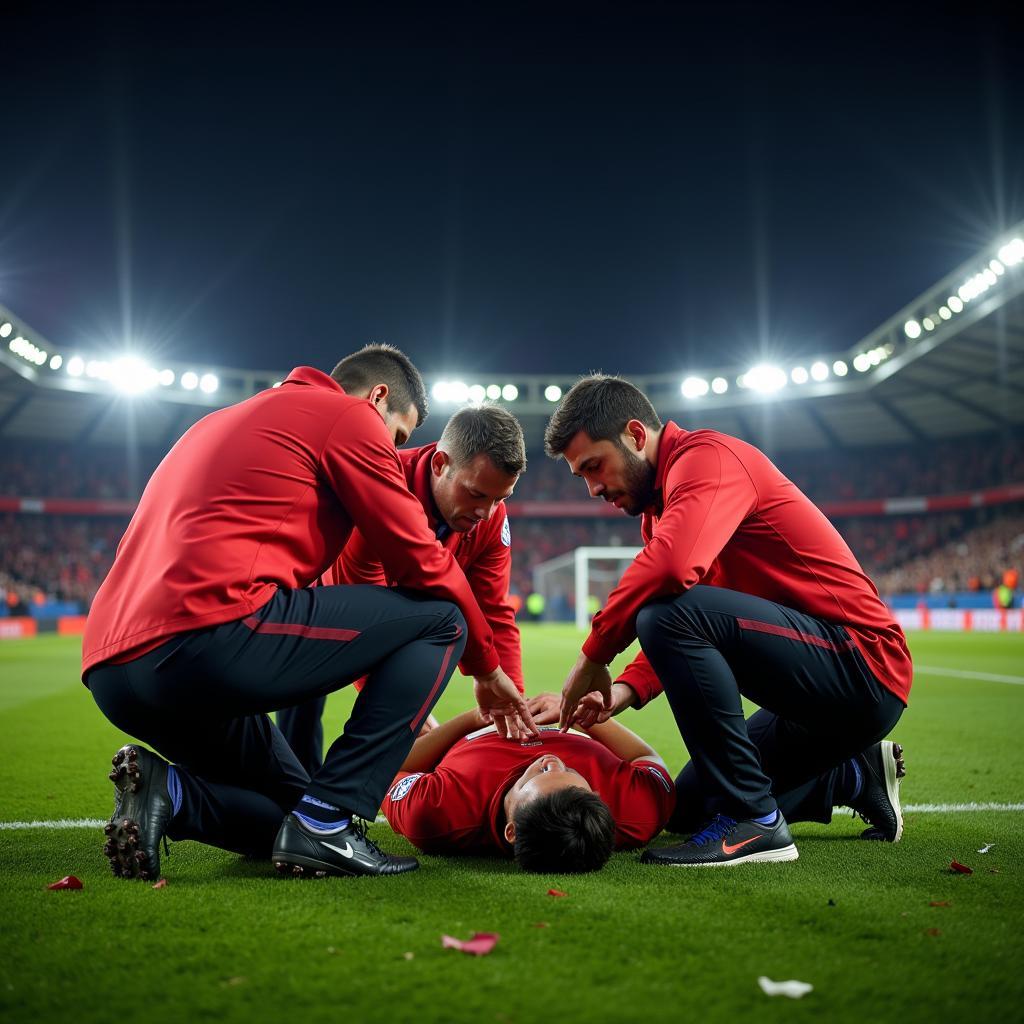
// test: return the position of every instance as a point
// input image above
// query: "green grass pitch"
(881, 932)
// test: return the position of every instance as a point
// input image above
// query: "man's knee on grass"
(567, 830)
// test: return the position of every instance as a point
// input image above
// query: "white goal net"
(576, 584)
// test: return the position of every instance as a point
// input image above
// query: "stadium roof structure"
(950, 363)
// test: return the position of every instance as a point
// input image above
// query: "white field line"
(956, 673)
(59, 823)
(63, 823)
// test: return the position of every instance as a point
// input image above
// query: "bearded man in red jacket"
(743, 588)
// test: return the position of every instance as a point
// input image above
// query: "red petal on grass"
(67, 882)
(162, 884)
(480, 945)
(557, 892)
(541, 924)
(960, 869)
(939, 903)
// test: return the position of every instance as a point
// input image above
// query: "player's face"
(622, 477)
(545, 775)
(469, 494)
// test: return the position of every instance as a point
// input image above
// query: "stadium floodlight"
(509, 393)
(819, 370)
(1013, 252)
(552, 392)
(76, 366)
(694, 387)
(98, 369)
(190, 380)
(439, 391)
(839, 368)
(132, 375)
(954, 303)
(765, 378)
(165, 378)
(494, 392)
(719, 385)
(862, 362)
(928, 323)
(209, 383)
(944, 312)
(458, 392)
(56, 361)
(799, 375)
(5, 329)
(912, 329)
(477, 394)
(996, 267)
(30, 353)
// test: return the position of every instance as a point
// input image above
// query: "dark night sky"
(502, 187)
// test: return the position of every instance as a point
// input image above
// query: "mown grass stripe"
(959, 673)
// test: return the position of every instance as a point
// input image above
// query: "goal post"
(584, 573)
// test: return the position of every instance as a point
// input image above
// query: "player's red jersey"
(484, 552)
(725, 516)
(458, 807)
(262, 495)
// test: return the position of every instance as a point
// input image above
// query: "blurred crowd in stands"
(55, 558)
(66, 471)
(64, 558)
(978, 560)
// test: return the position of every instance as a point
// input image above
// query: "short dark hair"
(569, 830)
(489, 429)
(385, 364)
(600, 406)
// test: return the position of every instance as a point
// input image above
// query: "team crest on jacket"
(506, 533)
(402, 787)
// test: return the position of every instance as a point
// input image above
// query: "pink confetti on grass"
(480, 945)
(557, 893)
(162, 884)
(67, 882)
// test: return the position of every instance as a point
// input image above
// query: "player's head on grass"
(387, 377)
(555, 822)
(477, 463)
(607, 431)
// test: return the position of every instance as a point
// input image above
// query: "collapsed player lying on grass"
(561, 802)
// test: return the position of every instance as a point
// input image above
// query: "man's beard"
(639, 484)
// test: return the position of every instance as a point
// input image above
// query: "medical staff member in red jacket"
(743, 588)
(462, 482)
(207, 621)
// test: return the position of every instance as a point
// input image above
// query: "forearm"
(427, 750)
(623, 742)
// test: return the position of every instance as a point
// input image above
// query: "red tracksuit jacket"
(726, 517)
(484, 552)
(262, 495)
